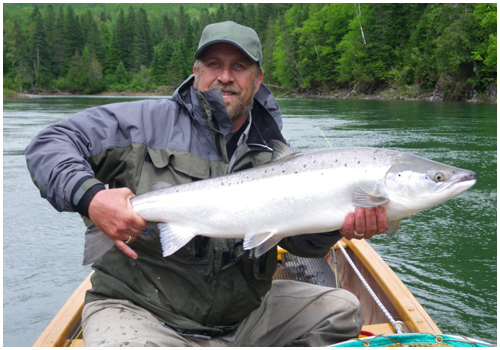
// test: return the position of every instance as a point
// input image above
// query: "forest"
(411, 49)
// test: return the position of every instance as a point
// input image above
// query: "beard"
(238, 107)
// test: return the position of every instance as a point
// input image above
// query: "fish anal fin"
(393, 227)
(362, 199)
(281, 150)
(173, 237)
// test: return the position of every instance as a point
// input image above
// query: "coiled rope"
(397, 325)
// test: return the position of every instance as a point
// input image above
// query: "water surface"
(445, 255)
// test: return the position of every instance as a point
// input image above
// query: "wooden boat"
(404, 311)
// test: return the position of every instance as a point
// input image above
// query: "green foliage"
(312, 47)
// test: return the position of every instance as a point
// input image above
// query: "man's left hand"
(364, 223)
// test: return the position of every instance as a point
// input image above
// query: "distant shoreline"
(387, 94)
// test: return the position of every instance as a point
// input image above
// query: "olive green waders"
(291, 314)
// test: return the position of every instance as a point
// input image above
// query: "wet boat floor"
(310, 270)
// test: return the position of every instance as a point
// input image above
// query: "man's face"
(225, 67)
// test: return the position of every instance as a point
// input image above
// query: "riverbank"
(409, 93)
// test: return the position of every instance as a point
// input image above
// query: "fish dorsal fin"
(160, 186)
(174, 237)
(362, 199)
(393, 227)
(281, 150)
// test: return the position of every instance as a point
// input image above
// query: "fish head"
(418, 183)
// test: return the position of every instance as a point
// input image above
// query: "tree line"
(308, 48)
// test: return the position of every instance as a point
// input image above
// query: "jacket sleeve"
(71, 161)
(311, 245)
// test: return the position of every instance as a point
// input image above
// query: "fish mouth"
(458, 184)
(468, 177)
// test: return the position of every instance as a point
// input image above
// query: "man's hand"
(112, 213)
(364, 223)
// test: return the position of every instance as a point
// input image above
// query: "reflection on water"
(446, 255)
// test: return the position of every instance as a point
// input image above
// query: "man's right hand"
(112, 213)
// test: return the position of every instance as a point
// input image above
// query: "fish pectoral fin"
(281, 150)
(393, 227)
(362, 199)
(173, 237)
(262, 242)
(96, 245)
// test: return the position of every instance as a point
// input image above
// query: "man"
(211, 292)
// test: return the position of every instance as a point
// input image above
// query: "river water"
(447, 255)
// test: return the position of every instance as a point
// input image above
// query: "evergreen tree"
(183, 22)
(39, 54)
(142, 45)
(121, 74)
(92, 36)
(59, 46)
(168, 27)
(51, 35)
(176, 68)
(77, 73)
(220, 14)
(16, 51)
(239, 13)
(161, 59)
(118, 48)
(127, 46)
(189, 47)
(73, 32)
(205, 19)
(250, 16)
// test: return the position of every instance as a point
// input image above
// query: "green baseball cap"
(244, 38)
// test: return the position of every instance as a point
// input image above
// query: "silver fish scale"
(299, 163)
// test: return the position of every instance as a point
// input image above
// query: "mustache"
(223, 87)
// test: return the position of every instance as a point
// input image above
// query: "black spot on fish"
(283, 171)
(359, 161)
(345, 165)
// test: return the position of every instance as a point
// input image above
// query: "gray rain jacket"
(210, 285)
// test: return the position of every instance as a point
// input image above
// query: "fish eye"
(439, 177)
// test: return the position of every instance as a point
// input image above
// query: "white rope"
(397, 325)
